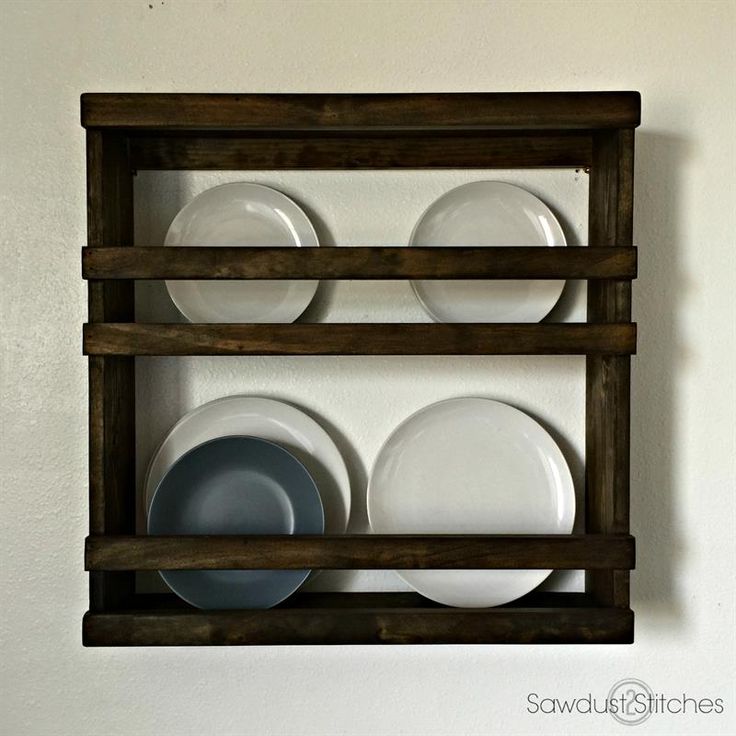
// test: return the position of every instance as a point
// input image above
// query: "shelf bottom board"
(592, 625)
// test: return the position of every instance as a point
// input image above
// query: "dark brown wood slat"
(347, 552)
(111, 380)
(607, 437)
(358, 339)
(358, 263)
(361, 626)
(140, 602)
(168, 601)
(535, 599)
(545, 110)
(251, 152)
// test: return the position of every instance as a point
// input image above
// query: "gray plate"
(236, 485)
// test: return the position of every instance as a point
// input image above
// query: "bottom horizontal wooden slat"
(361, 626)
(158, 602)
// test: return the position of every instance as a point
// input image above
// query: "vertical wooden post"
(607, 376)
(111, 379)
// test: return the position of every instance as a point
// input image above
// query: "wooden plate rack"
(127, 132)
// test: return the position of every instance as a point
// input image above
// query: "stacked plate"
(245, 465)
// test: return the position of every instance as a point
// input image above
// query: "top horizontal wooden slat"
(505, 110)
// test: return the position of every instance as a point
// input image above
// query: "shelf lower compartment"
(359, 618)
(188, 627)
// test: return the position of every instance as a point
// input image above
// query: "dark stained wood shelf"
(140, 602)
(130, 338)
(369, 262)
(569, 625)
(393, 112)
(354, 551)
(352, 151)
(129, 132)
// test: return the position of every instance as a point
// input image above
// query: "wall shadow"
(659, 166)
(160, 386)
(323, 298)
(358, 520)
(565, 579)
(574, 292)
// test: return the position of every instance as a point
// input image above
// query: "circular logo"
(632, 701)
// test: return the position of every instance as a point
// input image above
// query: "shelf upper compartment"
(336, 112)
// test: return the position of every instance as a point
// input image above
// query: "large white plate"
(270, 420)
(471, 466)
(247, 215)
(488, 213)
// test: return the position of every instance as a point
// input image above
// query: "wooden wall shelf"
(127, 132)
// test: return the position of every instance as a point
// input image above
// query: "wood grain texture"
(361, 626)
(532, 110)
(357, 339)
(304, 599)
(111, 380)
(608, 398)
(175, 131)
(358, 263)
(378, 150)
(347, 552)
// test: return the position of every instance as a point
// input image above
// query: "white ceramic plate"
(271, 420)
(247, 215)
(471, 466)
(488, 213)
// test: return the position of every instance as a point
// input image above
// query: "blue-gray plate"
(236, 485)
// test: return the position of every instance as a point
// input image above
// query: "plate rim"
(300, 576)
(570, 485)
(311, 284)
(344, 487)
(496, 182)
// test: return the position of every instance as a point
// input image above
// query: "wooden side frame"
(111, 379)
(607, 390)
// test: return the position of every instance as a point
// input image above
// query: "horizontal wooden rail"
(317, 150)
(377, 552)
(129, 338)
(361, 626)
(307, 599)
(472, 111)
(358, 263)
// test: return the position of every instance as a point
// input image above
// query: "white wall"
(679, 55)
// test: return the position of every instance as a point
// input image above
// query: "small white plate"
(471, 466)
(488, 213)
(271, 420)
(242, 214)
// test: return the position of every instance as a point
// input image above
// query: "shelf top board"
(374, 112)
